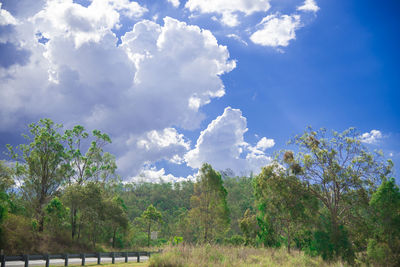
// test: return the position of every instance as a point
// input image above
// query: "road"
(72, 261)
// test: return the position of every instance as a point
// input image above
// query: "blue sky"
(182, 82)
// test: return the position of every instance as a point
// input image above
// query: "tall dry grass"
(214, 255)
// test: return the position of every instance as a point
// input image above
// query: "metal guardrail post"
(3, 260)
(83, 259)
(138, 256)
(47, 260)
(26, 259)
(66, 260)
(98, 258)
(126, 256)
(113, 257)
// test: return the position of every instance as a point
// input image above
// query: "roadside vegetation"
(327, 200)
(214, 255)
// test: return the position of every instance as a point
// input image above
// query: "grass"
(218, 256)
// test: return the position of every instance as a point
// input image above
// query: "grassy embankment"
(195, 256)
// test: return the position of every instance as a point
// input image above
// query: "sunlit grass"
(211, 255)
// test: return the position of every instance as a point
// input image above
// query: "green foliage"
(384, 246)
(6, 177)
(95, 164)
(235, 240)
(176, 240)
(323, 200)
(286, 204)
(379, 254)
(17, 234)
(4, 206)
(322, 244)
(44, 166)
(266, 234)
(336, 168)
(56, 208)
(209, 214)
(152, 216)
(249, 226)
(239, 199)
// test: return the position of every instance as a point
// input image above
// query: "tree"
(6, 182)
(151, 215)
(56, 215)
(94, 165)
(6, 177)
(43, 165)
(115, 214)
(93, 215)
(334, 166)
(248, 225)
(209, 207)
(285, 202)
(385, 203)
(240, 198)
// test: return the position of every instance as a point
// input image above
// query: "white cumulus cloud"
(276, 30)
(137, 89)
(309, 5)
(150, 147)
(265, 143)
(228, 9)
(150, 174)
(6, 18)
(372, 137)
(175, 3)
(84, 24)
(222, 145)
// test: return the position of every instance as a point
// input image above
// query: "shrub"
(17, 234)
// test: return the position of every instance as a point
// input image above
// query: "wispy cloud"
(372, 137)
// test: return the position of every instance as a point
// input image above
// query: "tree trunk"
(335, 235)
(41, 223)
(79, 231)
(289, 240)
(73, 222)
(148, 234)
(113, 242)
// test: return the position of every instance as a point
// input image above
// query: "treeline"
(330, 197)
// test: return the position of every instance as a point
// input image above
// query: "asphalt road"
(72, 261)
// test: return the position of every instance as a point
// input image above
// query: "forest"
(329, 197)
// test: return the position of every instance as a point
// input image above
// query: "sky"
(176, 83)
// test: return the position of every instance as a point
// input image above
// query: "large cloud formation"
(222, 145)
(136, 88)
(64, 60)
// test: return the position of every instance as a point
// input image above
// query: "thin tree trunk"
(113, 242)
(289, 239)
(79, 231)
(148, 234)
(41, 223)
(73, 223)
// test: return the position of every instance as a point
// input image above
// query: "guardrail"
(65, 257)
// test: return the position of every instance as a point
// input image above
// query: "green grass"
(212, 255)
